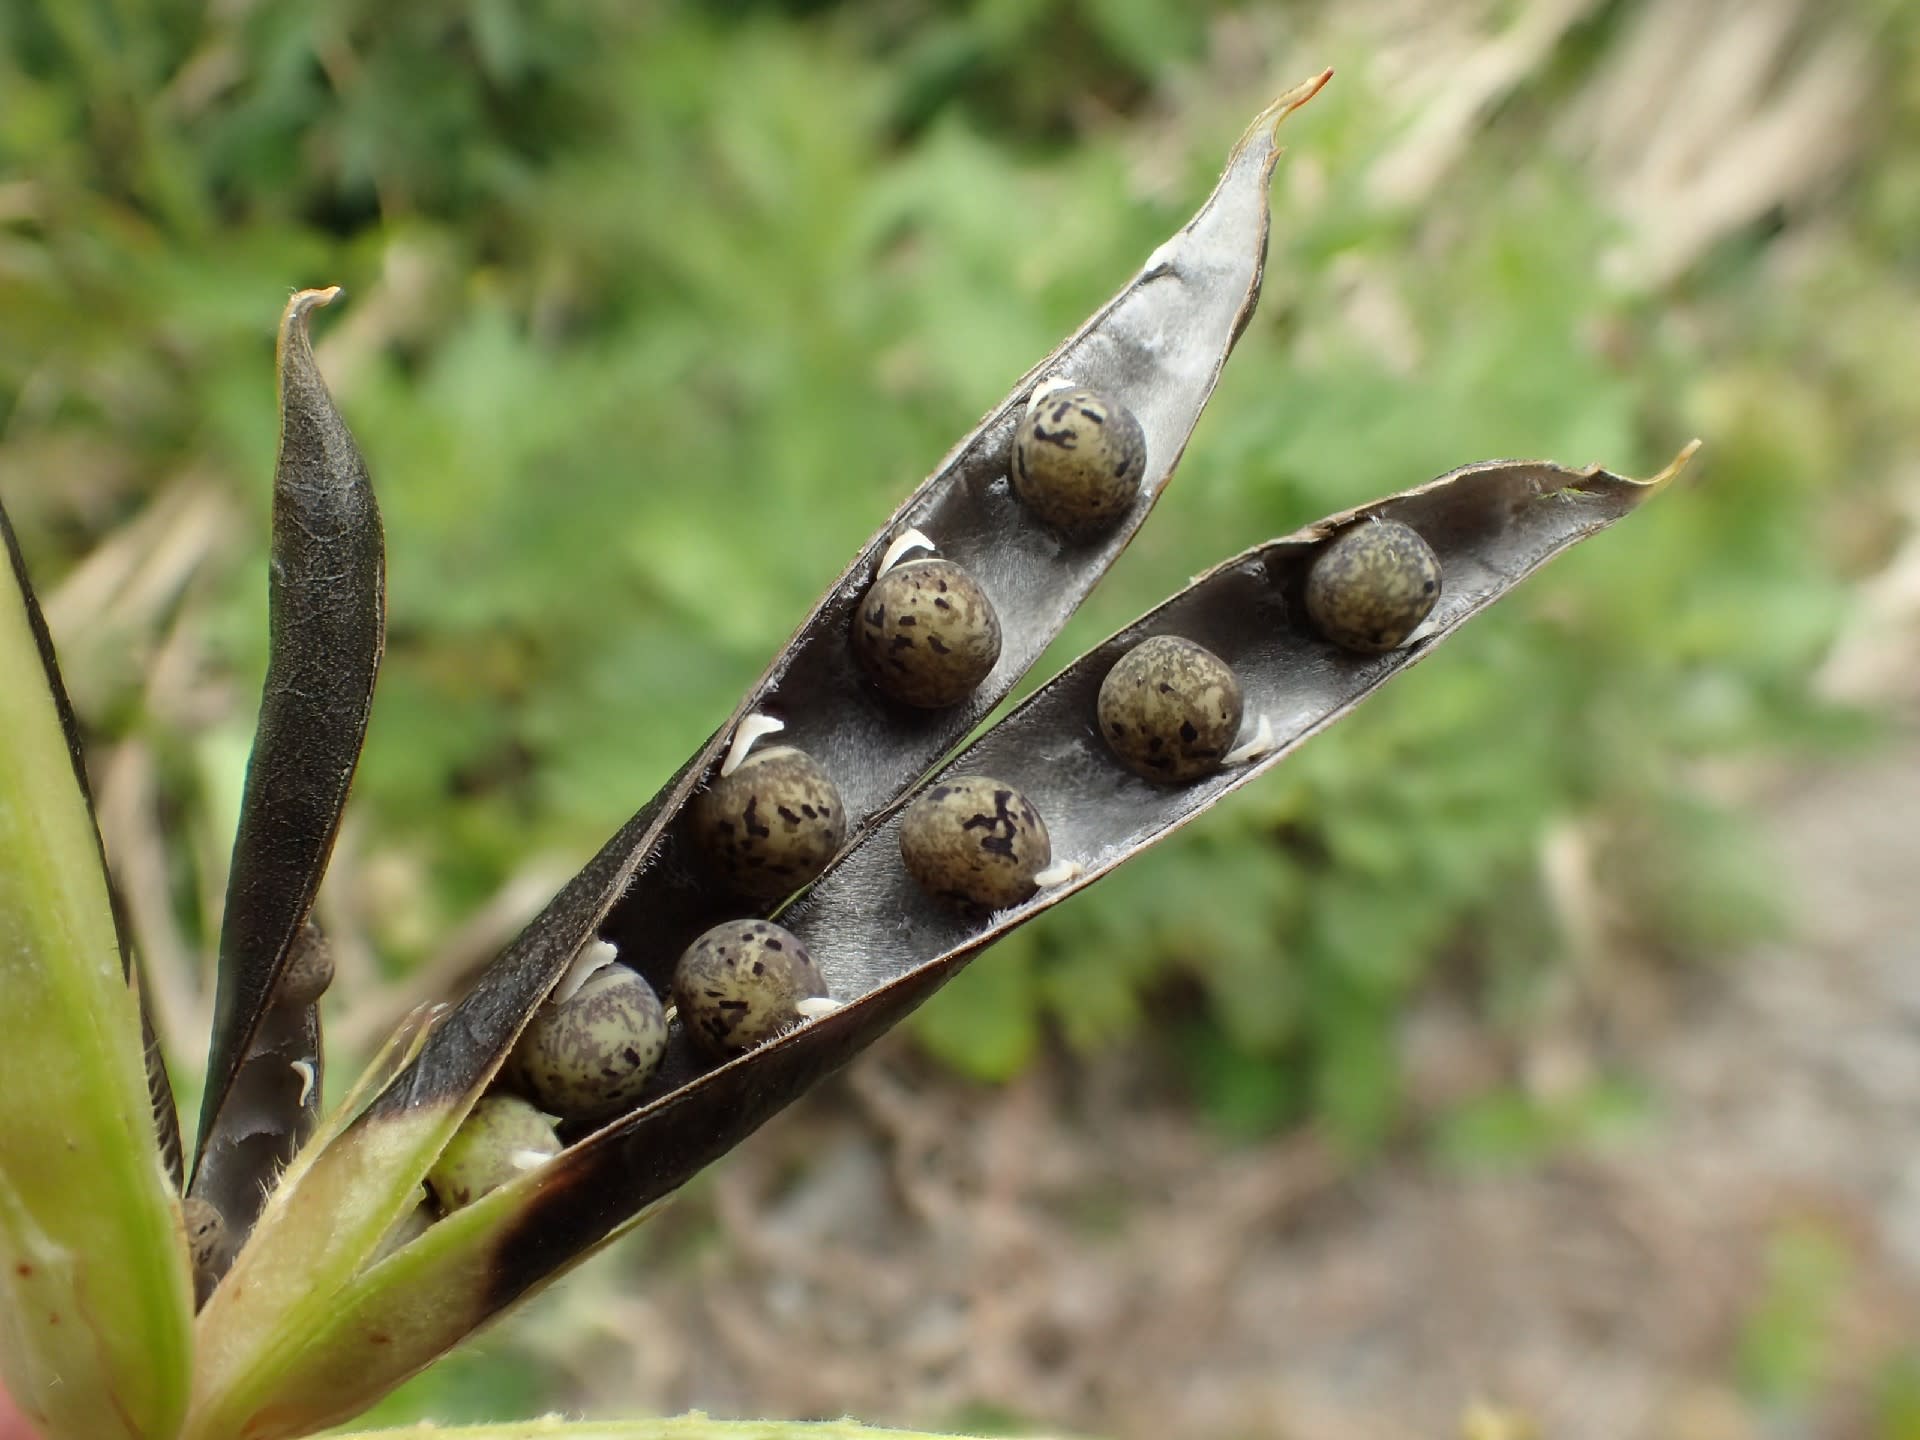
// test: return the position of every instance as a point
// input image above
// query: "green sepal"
(96, 1298)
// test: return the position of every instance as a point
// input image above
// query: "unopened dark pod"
(1371, 588)
(974, 843)
(742, 983)
(772, 825)
(1078, 459)
(927, 633)
(592, 1054)
(1169, 709)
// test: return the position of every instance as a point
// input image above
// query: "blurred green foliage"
(656, 310)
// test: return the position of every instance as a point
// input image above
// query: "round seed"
(927, 634)
(1373, 586)
(206, 1230)
(1169, 709)
(974, 843)
(772, 825)
(592, 1054)
(1078, 460)
(737, 985)
(309, 968)
(501, 1138)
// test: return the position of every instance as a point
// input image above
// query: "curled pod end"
(294, 334)
(1286, 104)
(975, 844)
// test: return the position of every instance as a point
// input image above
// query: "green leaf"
(96, 1301)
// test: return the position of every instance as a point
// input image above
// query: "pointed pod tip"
(1674, 467)
(1266, 125)
(293, 320)
(1293, 100)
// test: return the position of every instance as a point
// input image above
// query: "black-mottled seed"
(737, 985)
(770, 826)
(1169, 709)
(927, 634)
(1373, 586)
(1078, 460)
(974, 843)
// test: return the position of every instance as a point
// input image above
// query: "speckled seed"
(1169, 709)
(206, 1230)
(309, 969)
(974, 843)
(736, 985)
(1373, 586)
(772, 825)
(927, 633)
(1078, 459)
(502, 1137)
(591, 1054)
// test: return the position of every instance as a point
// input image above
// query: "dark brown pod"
(772, 825)
(1078, 459)
(974, 843)
(1169, 710)
(1373, 586)
(740, 984)
(927, 634)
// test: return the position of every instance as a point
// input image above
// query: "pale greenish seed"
(502, 1138)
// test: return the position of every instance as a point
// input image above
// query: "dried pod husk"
(1373, 586)
(1169, 709)
(1078, 459)
(927, 634)
(772, 825)
(738, 985)
(502, 1138)
(591, 1055)
(974, 843)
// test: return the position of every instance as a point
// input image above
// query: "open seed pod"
(340, 1286)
